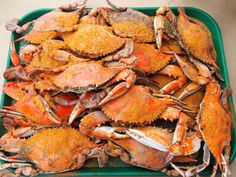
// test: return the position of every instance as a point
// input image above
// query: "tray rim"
(224, 66)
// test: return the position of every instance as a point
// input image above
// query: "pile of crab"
(114, 82)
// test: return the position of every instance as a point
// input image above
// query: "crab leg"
(214, 171)
(16, 72)
(87, 100)
(169, 97)
(9, 123)
(12, 25)
(174, 71)
(109, 132)
(180, 104)
(206, 160)
(121, 9)
(202, 68)
(124, 55)
(225, 162)
(172, 113)
(9, 159)
(142, 138)
(13, 165)
(27, 52)
(192, 88)
(159, 22)
(6, 112)
(191, 72)
(14, 56)
(53, 117)
(90, 125)
(128, 77)
(188, 146)
(26, 171)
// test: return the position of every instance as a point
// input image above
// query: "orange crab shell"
(55, 149)
(84, 75)
(137, 106)
(214, 122)
(93, 40)
(38, 37)
(196, 39)
(150, 60)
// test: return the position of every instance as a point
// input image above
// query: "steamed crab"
(93, 40)
(47, 26)
(193, 36)
(140, 106)
(122, 143)
(213, 116)
(48, 153)
(31, 108)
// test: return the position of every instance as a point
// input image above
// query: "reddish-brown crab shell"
(93, 40)
(137, 106)
(130, 23)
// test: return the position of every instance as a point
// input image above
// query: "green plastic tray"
(116, 167)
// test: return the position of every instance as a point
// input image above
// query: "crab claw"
(142, 138)
(27, 52)
(206, 160)
(121, 9)
(13, 89)
(90, 125)
(159, 23)
(188, 146)
(12, 25)
(189, 90)
(191, 72)
(16, 72)
(14, 56)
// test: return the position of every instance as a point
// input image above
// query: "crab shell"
(214, 122)
(196, 38)
(57, 20)
(84, 76)
(137, 106)
(38, 37)
(93, 40)
(56, 149)
(150, 60)
(130, 23)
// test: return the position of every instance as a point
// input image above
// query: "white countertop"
(223, 11)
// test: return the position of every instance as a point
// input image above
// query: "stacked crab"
(114, 82)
